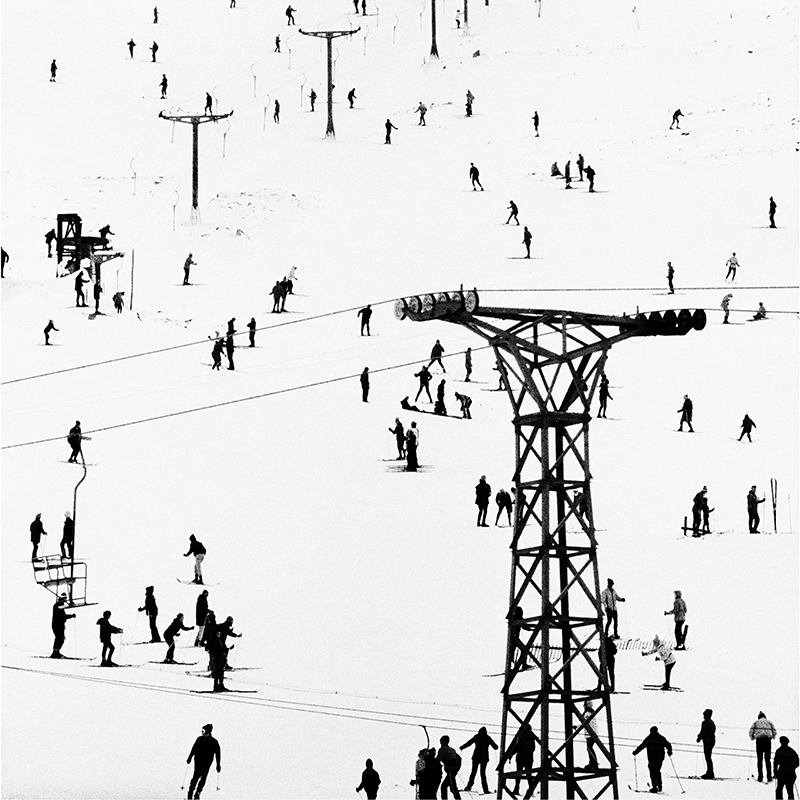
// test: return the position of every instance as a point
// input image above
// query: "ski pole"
(683, 791)
(218, 781)
(185, 773)
(635, 774)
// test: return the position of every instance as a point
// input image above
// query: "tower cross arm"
(195, 119)
(332, 34)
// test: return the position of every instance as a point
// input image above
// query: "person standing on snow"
(503, 500)
(163, 85)
(276, 114)
(527, 238)
(204, 750)
(424, 379)
(785, 768)
(67, 543)
(106, 629)
(187, 265)
(412, 442)
(216, 353)
(197, 550)
(611, 658)
(732, 264)
(451, 763)
(422, 110)
(37, 531)
(747, 426)
(229, 348)
(74, 440)
(708, 736)
(209, 104)
(351, 97)
(482, 494)
(698, 503)
(474, 176)
(468, 364)
(365, 314)
(59, 624)
(605, 396)
(251, 326)
(656, 745)
(663, 653)
(173, 629)
(591, 726)
(567, 176)
(200, 614)
(131, 45)
(365, 385)
(773, 207)
(290, 15)
(670, 276)
(370, 781)
(53, 70)
(389, 128)
(512, 207)
(151, 610)
(725, 306)
(580, 162)
(590, 173)
(679, 612)
(762, 732)
(686, 411)
(536, 122)
(470, 100)
(466, 402)
(439, 406)
(753, 519)
(80, 297)
(480, 758)
(313, 98)
(676, 119)
(608, 603)
(399, 437)
(427, 774)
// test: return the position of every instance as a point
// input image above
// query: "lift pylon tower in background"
(550, 363)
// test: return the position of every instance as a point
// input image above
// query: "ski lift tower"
(550, 363)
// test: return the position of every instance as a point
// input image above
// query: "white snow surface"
(368, 599)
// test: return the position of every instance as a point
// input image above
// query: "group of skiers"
(701, 512)
(583, 168)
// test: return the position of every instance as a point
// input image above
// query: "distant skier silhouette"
(474, 176)
(676, 119)
(512, 207)
(131, 45)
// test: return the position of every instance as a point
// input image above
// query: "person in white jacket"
(608, 602)
(663, 653)
(762, 732)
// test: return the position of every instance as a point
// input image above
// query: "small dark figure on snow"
(3, 262)
(290, 15)
(365, 385)
(536, 122)
(725, 305)
(97, 290)
(154, 46)
(59, 625)
(474, 176)
(686, 411)
(580, 162)
(437, 351)
(439, 406)
(468, 364)
(276, 114)
(422, 110)
(483, 491)
(80, 297)
(412, 444)
(451, 763)
(49, 238)
(762, 732)
(466, 402)
(512, 207)
(567, 176)
(131, 45)
(277, 296)
(611, 658)
(425, 378)
(229, 348)
(470, 99)
(204, 750)
(656, 745)
(663, 652)
(173, 629)
(605, 396)
(313, 98)
(208, 105)
(773, 207)
(197, 550)
(365, 314)
(49, 327)
(106, 629)
(370, 781)
(732, 264)
(670, 276)
(278, 43)
(389, 128)
(37, 531)
(608, 603)
(163, 85)
(527, 238)
(699, 504)
(679, 613)
(761, 313)
(480, 758)
(676, 117)
(119, 303)
(151, 610)
(785, 768)
(523, 746)
(590, 173)
(216, 353)
(67, 543)
(458, 18)
(155, 16)
(753, 519)
(400, 438)
(53, 70)
(708, 736)
(251, 327)
(747, 426)
(74, 441)
(503, 500)
(351, 96)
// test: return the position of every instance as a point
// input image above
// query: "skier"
(527, 238)
(474, 176)
(523, 745)
(611, 657)
(105, 232)
(389, 128)
(399, 436)
(278, 43)
(422, 109)
(427, 774)
(762, 732)
(3, 262)
(118, 301)
(199, 552)
(200, 614)
(567, 176)
(351, 96)
(251, 326)
(679, 612)
(590, 173)
(67, 543)
(708, 736)
(37, 531)
(470, 98)
(97, 290)
(747, 426)
(53, 70)
(424, 379)
(725, 306)
(468, 364)
(761, 313)
(151, 610)
(276, 114)
(154, 46)
(49, 238)
(365, 315)
(503, 500)
(59, 623)
(163, 85)
(670, 276)
(216, 653)
(106, 629)
(686, 411)
(209, 104)
(591, 726)
(174, 629)
(773, 207)
(49, 327)
(656, 745)
(451, 762)
(155, 16)
(458, 18)
(608, 602)
(605, 396)
(406, 406)
(514, 211)
(480, 758)
(313, 98)
(370, 780)
(204, 750)
(536, 122)
(74, 441)
(466, 402)
(676, 119)
(187, 265)
(732, 264)
(785, 766)
(131, 45)
(706, 511)
(483, 491)
(229, 347)
(580, 162)
(365, 385)
(216, 353)
(663, 653)
(277, 294)
(412, 442)
(290, 15)
(752, 510)
(698, 503)
(437, 351)
(80, 297)
(439, 406)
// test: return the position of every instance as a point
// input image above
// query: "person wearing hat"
(762, 732)
(204, 750)
(708, 736)
(656, 745)
(679, 612)
(370, 781)
(151, 609)
(60, 618)
(68, 537)
(74, 441)
(686, 411)
(106, 629)
(197, 550)
(785, 768)
(663, 653)
(174, 629)
(37, 531)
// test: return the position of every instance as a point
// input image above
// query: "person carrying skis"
(656, 745)
(608, 602)
(151, 610)
(399, 437)
(663, 653)
(475, 176)
(523, 746)
(197, 550)
(365, 314)
(59, 624)
(106, 629)
(785, 768)
(762, 732)
(679, 612)
(451, 763)
(732, 264)
(424, 379)
(527, 238)
(37, 531)
(503, 500)
(466, 402)
(370, 781)
(204, 750)
(708, 736)
(676, 119)
(753, 519)
(200, 614)
(482, 494)
(174, 629)
(512, 207)
(481, 742)
(686, 411)
(605, 396)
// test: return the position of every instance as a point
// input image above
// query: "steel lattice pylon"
(550, 363)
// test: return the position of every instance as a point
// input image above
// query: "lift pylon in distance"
(550, 363)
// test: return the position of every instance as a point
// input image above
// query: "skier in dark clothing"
(229, 347)
(439, 406)
(37, 531)
(785, 766)
(154, 48)
(80, 297)
(74, 441)
(351, 96)
(536, 122)
(699, 503)
(412, 442)
(670, 276)
(216, 354)
(611, 657)
(277, 297)
(503, 500)
(678, 611)
(49, 327)
(106, 629)
(276, 114)
(68, 538)
(474, 176)
(278, 43)
(53, 70)
(217, 654)
(480, 758)
(208, 105)
(365, 315)
(605, 396)
(428, 774)
(58, 625)
(163, 85)
(580, 162)
(466, 402)
(252, 328)
(3, 262)
(424, 379)
(773, 207)
(747, 426)
(200, 614)
(470, 100)
(313, 98)
(204, 750)
(290, 15)
(151, 609)
(656, 745)
(482, 494)
(118, 301)
(437, 351)
(105, 232)
(451, 763)
(676, 117)
(400, 438)
(468, 364)
(370, 781)
(527, 238)
(49, 238)
(523, 746)
(173, 629)
(567, 176)
(590, 173)
(197, 550)
(97, 290)
(389, 128)
(753, 519)
(131, 45)
(514, 211)
(155, 16)
(365, 385)
(708, 736)
(187, 265)
(686, 411)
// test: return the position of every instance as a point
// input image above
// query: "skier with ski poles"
(663, 653)
(204, 750)
(679, 612)
(151, 610)
(174, 629)
(656, 745)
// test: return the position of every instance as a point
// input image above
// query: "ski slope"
(368, 600)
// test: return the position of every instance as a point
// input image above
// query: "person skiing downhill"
(424, 380)
(753, 519)
(106, 629)
(400, 438)
(483, 491)
(747, 426)
(197, 550)
(365, 314)
(204, 750)
(151, 610)
(474, 176)
(512, 207)
(679, 613)
(370, 781)
(656, 745)
(58, 624)
(437, 351)
(732, 264)
(676, 117)
(37, 531)
(481, 742)
(170, 632)
(762, 732)
(686, 411)
(708, 736)
(389, 128)
(785, 766)
(526, 240)
(663, 652)
(608, 603)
